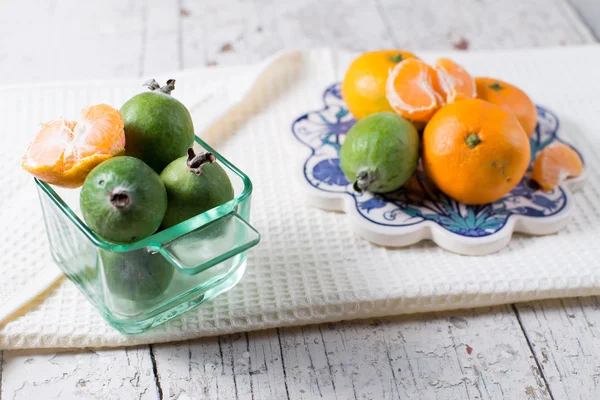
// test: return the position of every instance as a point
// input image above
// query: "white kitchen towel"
(309, 267)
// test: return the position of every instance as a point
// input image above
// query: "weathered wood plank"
(306, 369)
(217, 32)
(483, 24)
(589, 11)
(119, 373)
(161, 45)
(237, 32)
(565, 336)
(239, 366)
(267, 372)
(464, 354)
(69, 40)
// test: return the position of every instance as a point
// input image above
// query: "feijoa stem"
(364, 179)
(167, 89)
(195, 162)
(473, 140)
(119, 199)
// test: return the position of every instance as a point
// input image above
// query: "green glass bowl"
(140, 285)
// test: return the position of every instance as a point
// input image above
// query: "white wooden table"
(539, 350)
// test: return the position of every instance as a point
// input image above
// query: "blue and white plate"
(419, 210)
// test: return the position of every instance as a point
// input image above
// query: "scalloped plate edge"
(427, 230)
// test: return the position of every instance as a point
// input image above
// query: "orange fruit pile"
(64, 152)
(476, 130)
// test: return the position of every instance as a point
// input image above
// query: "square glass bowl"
(140, 285)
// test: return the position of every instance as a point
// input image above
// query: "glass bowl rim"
(158, 239)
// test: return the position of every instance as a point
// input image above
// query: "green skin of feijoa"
(158, 128)
(136, 275)
(380, 152)
(123, 200)
(190, 194)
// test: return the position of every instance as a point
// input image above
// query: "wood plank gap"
(155, 372)
(235, 385)
(287, 392)
(329, 367)
(310, 361)
(221, 355)
(189, 359)
(249, 364)
(386, 22)
(585, 316)
(531, 350)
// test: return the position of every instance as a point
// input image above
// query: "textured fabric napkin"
(309, 266)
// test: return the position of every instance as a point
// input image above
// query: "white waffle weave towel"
(309, 266)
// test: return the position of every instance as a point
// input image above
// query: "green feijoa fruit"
(123, 200)
(380, 152)
(158, 127)
(136, 275)
(195, 184)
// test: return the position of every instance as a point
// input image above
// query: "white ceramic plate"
(419, 211)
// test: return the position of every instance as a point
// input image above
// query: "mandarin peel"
(63, 152)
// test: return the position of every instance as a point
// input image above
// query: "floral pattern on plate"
(419, 201)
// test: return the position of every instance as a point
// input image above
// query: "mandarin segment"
(363, 87)
(104, 126)
(47, 149)
(555, 163)
(511, 99)
(64, 152)
(410, 91)
(452, 81)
